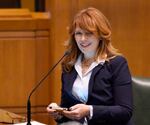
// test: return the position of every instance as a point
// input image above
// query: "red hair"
(92, 20)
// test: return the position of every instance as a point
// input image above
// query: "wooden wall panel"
(28, 4)
(24, 60)
(61, 13)
(58, 34)
(17, 70)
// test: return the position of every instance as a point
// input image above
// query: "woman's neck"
(86, 63)
(89, 55)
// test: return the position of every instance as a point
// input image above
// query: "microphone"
(37, 85)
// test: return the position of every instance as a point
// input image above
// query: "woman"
(96, 82)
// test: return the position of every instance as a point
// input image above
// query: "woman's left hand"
(77, 111)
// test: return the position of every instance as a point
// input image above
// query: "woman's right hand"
(55, 114)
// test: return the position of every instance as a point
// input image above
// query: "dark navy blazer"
(110, 93)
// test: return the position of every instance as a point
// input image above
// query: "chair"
(141, 97)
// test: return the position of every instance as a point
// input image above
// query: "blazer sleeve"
(121, 110)
(63, 103)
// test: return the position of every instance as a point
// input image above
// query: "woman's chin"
(88, 54)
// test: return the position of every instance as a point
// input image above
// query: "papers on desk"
(33, 123)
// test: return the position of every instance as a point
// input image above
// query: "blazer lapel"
(91, 81)
(71, 78)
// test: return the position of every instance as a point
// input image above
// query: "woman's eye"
(78, 33)
(89, 33)
(86, 34)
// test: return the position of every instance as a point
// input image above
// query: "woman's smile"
(85, 45)
(86, 41)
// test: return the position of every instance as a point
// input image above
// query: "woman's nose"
(83, 37)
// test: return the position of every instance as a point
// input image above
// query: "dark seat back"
(10, 3)
(141, 95)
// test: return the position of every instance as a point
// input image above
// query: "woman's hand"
(77, 111)
(55, 114)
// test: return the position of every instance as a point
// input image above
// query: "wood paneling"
(28, 4)
(61, 14)
(24, 60)
(60, 17)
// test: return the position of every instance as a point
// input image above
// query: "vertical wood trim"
(28, 4)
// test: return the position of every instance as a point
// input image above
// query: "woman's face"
(87, 42)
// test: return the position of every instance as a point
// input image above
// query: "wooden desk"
(9, 117)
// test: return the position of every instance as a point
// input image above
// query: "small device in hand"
(54, 106)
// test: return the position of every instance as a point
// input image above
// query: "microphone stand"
(37, 85)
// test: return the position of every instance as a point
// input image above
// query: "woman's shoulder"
(118, 60)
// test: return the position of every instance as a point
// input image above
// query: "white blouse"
(80, 86)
